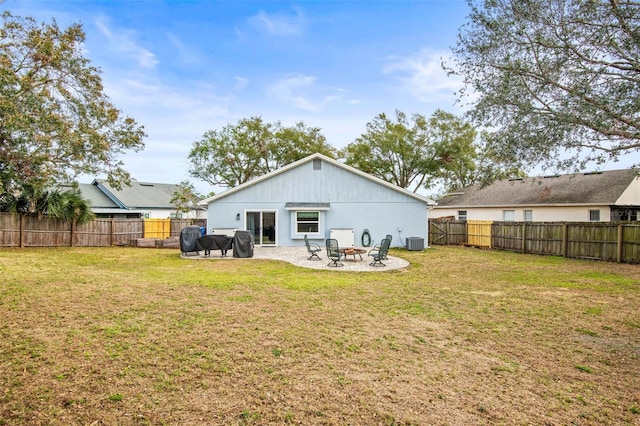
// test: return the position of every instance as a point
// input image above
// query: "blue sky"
(181, 68)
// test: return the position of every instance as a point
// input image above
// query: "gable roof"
(577, 188)
(96, 197)
(140, 195)
(310, 158)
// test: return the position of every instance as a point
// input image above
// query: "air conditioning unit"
(415, 244)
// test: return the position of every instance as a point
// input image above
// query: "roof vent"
(146, 184)
(514, 179)
(551, 176)
(592, 173)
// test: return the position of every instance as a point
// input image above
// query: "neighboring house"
(322, 198)
(140, 200)
(606, 196)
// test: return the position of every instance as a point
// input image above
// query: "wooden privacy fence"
(617, 242)
(32, 231)
(157, 228)
(479, 232)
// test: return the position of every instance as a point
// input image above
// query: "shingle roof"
(139, 194)
(96, 197)
(578, 188)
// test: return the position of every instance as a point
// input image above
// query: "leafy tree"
(65, 205)
(55, 120)
(558, 79)
(414, 152)
(296, 142)
(480, 165)
(397, 151)
(185, 197)
(237, 153)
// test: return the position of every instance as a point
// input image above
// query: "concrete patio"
(299, 257)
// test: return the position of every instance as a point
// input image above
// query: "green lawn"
(463, 336)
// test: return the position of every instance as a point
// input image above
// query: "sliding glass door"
(262, 224)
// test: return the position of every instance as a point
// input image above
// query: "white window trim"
(295, 235)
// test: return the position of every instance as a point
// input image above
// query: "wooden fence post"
(619, 246)
(23, 219)
(113, 233)
(565, 240)
(72, 233)
(524, 237)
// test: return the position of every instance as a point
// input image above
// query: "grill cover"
(243, 244)
(189, 239)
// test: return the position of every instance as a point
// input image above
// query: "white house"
(322, 198)
(140, 200)
(579, 197)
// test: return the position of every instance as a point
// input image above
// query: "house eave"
(425, 200)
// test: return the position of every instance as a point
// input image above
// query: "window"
(594, 215)
(462, 215)
(317, 164)
(307, 222)
(508, 215)
(528, 215)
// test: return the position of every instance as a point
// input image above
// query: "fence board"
(157, 228)
(178, 225)
(479, 233)
(31, 231)
(600, 240)
(9, 230)
(447, 232)
(630, 244)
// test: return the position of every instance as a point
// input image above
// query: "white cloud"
(279, 25)
(423, 77)
(241, 82)
(123, 42)
(300, 91)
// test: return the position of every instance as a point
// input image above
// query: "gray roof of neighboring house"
(577, 188)
(96, 197)
(140, 195)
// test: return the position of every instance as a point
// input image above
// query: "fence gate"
(438, 233)
(157, 228)
(479, 233)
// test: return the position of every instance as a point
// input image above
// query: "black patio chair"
(376, 248)
(312, 248)
(381, 254)
(333, 253)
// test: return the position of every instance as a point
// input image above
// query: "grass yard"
(125, 336)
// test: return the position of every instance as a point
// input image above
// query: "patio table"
(215, 242)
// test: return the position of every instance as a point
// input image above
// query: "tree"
(480, 166)
(398, 152)
(237, 153)
(185, 197)
(55, 120)
(296, 142)
(65, 205)
(413, 152)
(559, 80)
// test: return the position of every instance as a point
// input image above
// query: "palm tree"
(67, 205)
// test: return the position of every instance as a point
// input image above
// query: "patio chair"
(313, 249)
(333, 253)
(376, 248)
(381, 254)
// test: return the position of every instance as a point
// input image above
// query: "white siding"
(540, 214)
